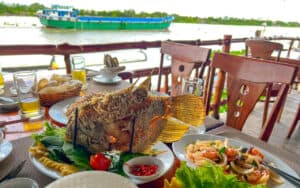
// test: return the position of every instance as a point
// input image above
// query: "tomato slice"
(99, 162)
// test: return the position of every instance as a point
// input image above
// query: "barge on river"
(68, 18)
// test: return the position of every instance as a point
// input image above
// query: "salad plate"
(6, 148)
(180, 146)
(57, 111)
(166, 157)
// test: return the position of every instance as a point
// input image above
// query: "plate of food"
(57, 112)
(91, 179)
(56, 158)
(235, 157)
(6, 147)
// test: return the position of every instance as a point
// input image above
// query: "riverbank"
(30, 10)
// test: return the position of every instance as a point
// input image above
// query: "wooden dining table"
(22, 141)
(20, 153)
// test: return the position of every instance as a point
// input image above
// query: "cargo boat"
(68, 18)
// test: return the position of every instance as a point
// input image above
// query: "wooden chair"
(264, 49)
(246, 81)
(184, 58)
(293, 126)
(126, 76)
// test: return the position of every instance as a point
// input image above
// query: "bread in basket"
(55, 90)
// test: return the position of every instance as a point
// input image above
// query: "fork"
(294, 180)
(14, 171)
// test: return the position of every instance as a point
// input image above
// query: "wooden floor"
(278, 137)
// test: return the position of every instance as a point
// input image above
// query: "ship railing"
(67, 50)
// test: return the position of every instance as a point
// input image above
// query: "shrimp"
(231, 154)
(256, 152)
(211, 154)
(254, 176)
(258, 176)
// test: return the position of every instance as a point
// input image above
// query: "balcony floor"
(280, 131)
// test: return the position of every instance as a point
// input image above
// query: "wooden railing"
(67, 50)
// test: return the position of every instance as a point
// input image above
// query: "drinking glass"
(78, 70)
(192, 86)
(25, 83)
(1, 82)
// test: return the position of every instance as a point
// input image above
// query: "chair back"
(263, 48)
(126, 76)
(184, 57)
(246, 80)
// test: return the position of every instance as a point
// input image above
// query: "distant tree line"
(30, 10)
(20, 10)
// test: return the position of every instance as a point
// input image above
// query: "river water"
(28, 30)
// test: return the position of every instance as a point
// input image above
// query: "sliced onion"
(224, 160)
(275, 177)
(240, 170)
(264, 179)
(226, 142)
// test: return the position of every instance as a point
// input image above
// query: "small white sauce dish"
(144, 160)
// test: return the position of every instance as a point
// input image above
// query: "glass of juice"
(1, 82)
(78, 70)
(25, 83)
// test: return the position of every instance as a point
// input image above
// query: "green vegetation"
(233, 52)
(20, 10)
(209, 175)
(30, 10)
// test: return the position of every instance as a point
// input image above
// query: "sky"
(284, 10)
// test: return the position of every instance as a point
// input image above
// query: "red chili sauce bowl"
(143, 168)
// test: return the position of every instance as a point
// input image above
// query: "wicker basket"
(48, 99)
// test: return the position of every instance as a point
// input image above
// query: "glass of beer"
(1, 82)
(78, 70)
(25, 83)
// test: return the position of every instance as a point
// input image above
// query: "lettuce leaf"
(50, 130)
(79, 156)
(209, 176)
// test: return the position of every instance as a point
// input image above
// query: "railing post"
(160, 71)
(221, 79)
(67, 63)
(290, 48)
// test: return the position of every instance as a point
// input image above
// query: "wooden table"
(21, 146)
(16, 131)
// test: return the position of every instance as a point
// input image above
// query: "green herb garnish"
(222, 150)
(209, 176)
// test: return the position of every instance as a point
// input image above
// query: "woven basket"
(48, 99)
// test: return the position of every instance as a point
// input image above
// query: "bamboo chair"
(264, 49)
(184, 58)
(246, 81)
